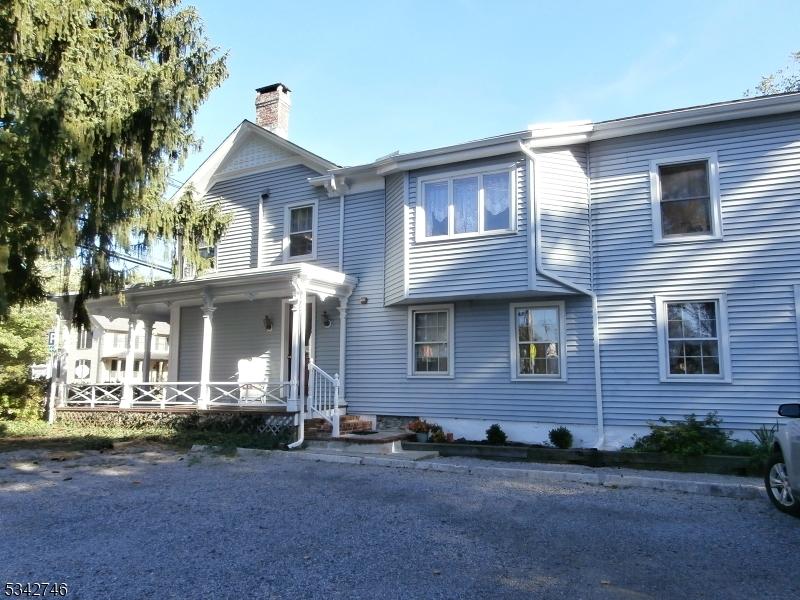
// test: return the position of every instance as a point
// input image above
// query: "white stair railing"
(323, 396)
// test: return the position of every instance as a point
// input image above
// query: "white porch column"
(148, 339)
(174, 341)
(342, 348)
(205, 362)
(297, 391)
(130, 348)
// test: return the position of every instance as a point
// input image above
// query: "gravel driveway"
(166, 525)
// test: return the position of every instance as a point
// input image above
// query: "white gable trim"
(207, 174)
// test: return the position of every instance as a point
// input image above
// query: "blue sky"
(368, 78)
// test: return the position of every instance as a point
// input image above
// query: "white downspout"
(532, 201)
(299, 355)
(341, 233)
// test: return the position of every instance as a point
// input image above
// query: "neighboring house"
(97, 355)
(593, 275)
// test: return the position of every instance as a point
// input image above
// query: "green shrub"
(496, 436)
(22, 400)
(437, 435)
(690, 437)
(560, 437)
(765, 438)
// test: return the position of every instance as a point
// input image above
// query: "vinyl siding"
(395, 246)
(238, 249)
(563, 198)
(755, 264)
(238, 333)
(190, 343)
(377, 381)
(489, 264)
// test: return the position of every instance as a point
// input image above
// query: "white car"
(782, 478)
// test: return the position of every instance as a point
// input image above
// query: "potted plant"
(421, 428)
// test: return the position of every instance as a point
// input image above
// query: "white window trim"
(420, 223)
(725, 375)
(562, 342)
(713, 190)
(287, 211)
(450, 308)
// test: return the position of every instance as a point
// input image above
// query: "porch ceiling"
(154, 300)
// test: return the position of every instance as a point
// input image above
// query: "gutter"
(532, 201)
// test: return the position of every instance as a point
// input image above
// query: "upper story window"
(208, 253)
(685, 195)
(84, 341)
(538, 340)
(430, 352)
(300, 231)
(120, 340)
(465, 203)
(693, 338)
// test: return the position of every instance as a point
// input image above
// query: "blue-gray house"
(593, 275)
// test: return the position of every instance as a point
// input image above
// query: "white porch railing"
(259, 393)
(323, 396)
(165, 393)
(92, 394)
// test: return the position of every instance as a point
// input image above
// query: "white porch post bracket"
(128, 380)
(208, 309)
(341, 401)
(148, 339)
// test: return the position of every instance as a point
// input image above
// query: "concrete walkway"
(689, 483)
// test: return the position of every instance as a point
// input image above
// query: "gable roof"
(203, 177)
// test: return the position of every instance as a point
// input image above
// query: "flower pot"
(422, 437)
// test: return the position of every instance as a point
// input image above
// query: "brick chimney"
(273, 103)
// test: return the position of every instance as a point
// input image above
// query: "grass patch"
(22, 435)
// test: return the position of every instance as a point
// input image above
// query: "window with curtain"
(538, 340)
(474, 203)
(431, 351)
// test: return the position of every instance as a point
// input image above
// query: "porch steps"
(378, 442)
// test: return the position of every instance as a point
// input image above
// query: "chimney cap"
(272, 87)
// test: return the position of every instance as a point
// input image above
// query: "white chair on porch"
(252, 371)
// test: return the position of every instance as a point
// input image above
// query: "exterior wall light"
(326, 320)
(267, 324)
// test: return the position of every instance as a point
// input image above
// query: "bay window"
(465, 203)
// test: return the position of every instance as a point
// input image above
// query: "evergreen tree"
(97, 102)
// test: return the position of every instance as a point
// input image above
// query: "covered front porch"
(269, 340)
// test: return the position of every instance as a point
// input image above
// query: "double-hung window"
(430, 352)
(301, 221)
(685, 196)
(693, 338)
(538, 345)
(84, 338)
(468, 203)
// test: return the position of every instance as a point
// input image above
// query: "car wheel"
(776, 480)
